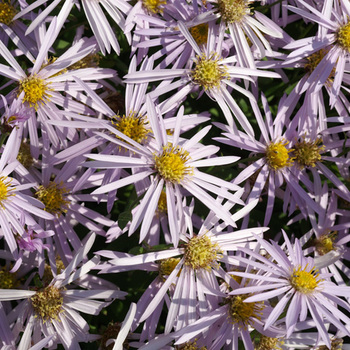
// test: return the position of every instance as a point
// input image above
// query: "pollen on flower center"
(167, 266)
(53, 196)
(133, 126)
(191, 346)
(154, 6)
(47, 304)
(233, 10)
(242, 313)
(208, 73)
(171, 164)
(307, 153)
(325, 243)
(5, 192)
(8, 280)
(277, 155)
(304, 281)
(162, 205)
(7, 12)
(35, 91)
(200, 33)
(267, 343)
(344, 37)
(200, 252)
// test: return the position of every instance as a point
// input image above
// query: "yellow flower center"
(344, 37)
(277, 155)
(47, 303)
(191, 346)
(233, 10)
(35, 91)
(307, 153)
(201, 253)
(267, 343)
(167, 266)
(336, 344)
(208, 73)
(154, 6)
(5, 192)
(325, 243)
(89, 61)
(200, 33)
(133, 126)
(171, 164)
(304, 281)
(242, 313)
(162, 205)
(53, 196)
(24, 155)
(7, 12)
(8, 280)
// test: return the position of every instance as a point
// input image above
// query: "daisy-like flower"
(40, 89)
(190, 272)
(328, 51)
(273, 166)
(14, 202)
(208, 72)
(244, 25)
(169, 162)
(53, 309)
(298, 284)
(95, 14)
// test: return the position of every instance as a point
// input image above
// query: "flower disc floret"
(35, 91)
(267, 343)
(242, 313)
(201, 253)
(154, 6)
(308, 153)
(5, 192)
(167, 266)
(133, 126)
(233, 11)
(200, 33)
(162, 204)
(191, 346)
(344, 37)
(171, 164)
(304, 281)
(325, 243)
(208, 73)
(47, 303)
(53, 196)
(8, 280)
(7, 12)
(277, 155)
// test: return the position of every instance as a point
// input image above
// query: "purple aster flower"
(40, 89)
(53, 310)
(273, 166)
(301, 289)
(169, 162)
(207, 72)
(190, 272)
(99, 24)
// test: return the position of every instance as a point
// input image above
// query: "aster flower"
(273, 166)
(190, 272)
(328, 51)
(14, 202)
(243, 24)
(301, 289)
(169, 162)
(95, 14)
(39, 89)
(54, 309)
(207, 72)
